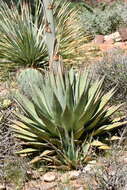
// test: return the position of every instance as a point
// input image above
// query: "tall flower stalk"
(51, 40)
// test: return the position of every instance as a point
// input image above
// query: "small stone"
(2, 187)
(49, 186)
(80, 188)
(74, 175)
(118, 39)
(33, 188)
(89, 168)
(125, 160)
(49, 177)
(35, 175)
(114, 36)
(125, 188)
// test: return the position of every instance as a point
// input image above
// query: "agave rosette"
(66, 105)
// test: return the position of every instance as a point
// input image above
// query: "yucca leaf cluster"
(22, 40)
(23, 34)
(64, 115)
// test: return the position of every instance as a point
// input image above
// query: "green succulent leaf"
(67, 112)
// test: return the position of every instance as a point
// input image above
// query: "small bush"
(114, 67)
(15, 172)
(123, 11)
(104, 20)
(111, 173)
(12, 168)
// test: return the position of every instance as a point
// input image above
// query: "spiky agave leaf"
(66, 105)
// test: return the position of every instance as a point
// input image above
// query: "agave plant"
(63, 115)
(23, 34)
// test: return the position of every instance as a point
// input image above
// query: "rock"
(89, 167)
(80, 188)
(33, 174)
(50, 177)
(109, 41)
(123, 33)
(114, 36)
(74, 175)
(39, 185)
(119, 39)
(2, 187)
(49, 186)
(125, 188)
(125, 160)
(99, 39)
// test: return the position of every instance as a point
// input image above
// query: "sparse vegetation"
(114, 66)
(111, 172)
(104, 19)
(58, 115)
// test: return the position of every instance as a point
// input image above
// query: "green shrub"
(123, 12)
(103, 20)
(63, 116)
(15, 172)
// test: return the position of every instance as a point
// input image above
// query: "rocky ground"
(90, 176)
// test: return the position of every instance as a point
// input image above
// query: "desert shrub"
(123, 11)
(103, 20)
(12, 168)
(114, 67)
(111, 172)
(15, 172)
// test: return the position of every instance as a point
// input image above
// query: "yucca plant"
(63, 116)
(24, 38)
